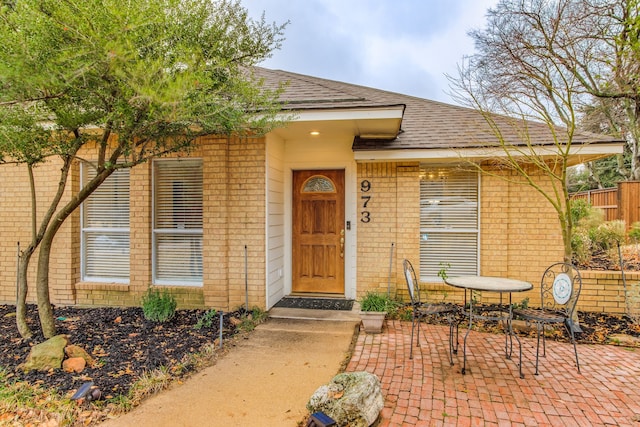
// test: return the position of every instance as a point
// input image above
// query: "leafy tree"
(123, 82)
(596, 174)
(607, 116)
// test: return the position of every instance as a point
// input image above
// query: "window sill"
(103, 286)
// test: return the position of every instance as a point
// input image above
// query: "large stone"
(353, 399)
(46, 355)
(74, 364)
(73, 350)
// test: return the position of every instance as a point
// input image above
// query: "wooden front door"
(318, 231)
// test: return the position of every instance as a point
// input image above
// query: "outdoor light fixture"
(314, 133)
(320, 419)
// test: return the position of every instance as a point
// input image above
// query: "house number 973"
(365, 187)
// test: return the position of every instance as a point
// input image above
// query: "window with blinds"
(177, 222)
(448, 221)
(105, 228)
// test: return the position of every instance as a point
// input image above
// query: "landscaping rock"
(353, 399)
(77, 351)
(47, 355)
(74, 364)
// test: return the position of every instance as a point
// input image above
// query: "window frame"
(158, 232)
(458, 227)
(85, 230)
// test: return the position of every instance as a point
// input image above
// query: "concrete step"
(307, 314)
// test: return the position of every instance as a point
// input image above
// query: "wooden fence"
(621, 202)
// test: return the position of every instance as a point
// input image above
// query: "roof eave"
(578, 154)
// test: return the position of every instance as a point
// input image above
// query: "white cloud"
(404, 46)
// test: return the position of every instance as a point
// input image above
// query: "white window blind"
(105, 228)
(177, 225)
(448, 221)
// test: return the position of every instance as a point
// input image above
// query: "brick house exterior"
(251, 245)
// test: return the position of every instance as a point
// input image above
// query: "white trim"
(373, 113)
(274, 224)
(480, 153)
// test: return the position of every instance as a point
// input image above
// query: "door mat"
(315, 303)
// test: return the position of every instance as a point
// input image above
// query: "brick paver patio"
(427, 391)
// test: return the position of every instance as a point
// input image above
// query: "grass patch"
(21, 402)
(250, 320)
(150, 383)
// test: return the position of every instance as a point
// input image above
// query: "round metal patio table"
(500, 285)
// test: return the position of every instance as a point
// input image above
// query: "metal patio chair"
(422, 309)
(559, 291)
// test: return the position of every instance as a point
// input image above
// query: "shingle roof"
(426, 124)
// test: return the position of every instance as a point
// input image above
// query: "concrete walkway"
(265, 380)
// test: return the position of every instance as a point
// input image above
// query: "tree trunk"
(21, 298)
(45, 311)
(23, 264)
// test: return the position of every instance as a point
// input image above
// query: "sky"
(404, 46)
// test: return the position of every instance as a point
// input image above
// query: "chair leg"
(413, 326)
(508, 338)
(575, 347)
(457, 342)
(519, 354)
(538, 327)
(451, 326)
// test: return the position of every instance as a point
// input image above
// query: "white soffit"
(379, 122)
(581, 153)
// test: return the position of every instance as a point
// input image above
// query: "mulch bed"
(601, 260)
(597, 328)
(123, 342)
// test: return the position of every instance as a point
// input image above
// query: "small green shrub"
(206, 320)
(522, 305)
(375, 301)
(634, 232)
(158, 306)
(591, 234)
(582, 246)
(444, 269)
(249, 321)
(607, 234)
(592, 218)
(580, 208)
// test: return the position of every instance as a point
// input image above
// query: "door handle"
(342, 243)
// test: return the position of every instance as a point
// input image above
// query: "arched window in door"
(318, 184)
